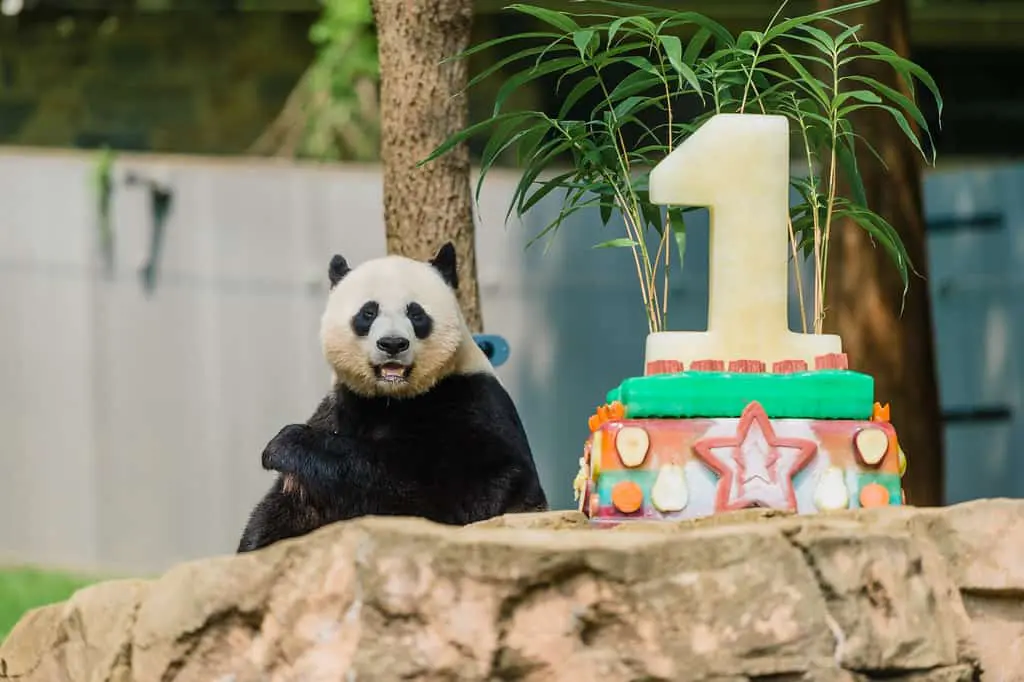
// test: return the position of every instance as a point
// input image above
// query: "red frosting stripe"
(664, 367)
(789, 366)
(707, 366)
(832, 361)
(746, 366)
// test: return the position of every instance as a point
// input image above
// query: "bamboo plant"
(799, 67)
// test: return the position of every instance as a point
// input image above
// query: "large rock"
(896, 594)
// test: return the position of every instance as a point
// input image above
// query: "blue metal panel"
(976, 250)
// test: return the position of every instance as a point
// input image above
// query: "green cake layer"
(821, 394)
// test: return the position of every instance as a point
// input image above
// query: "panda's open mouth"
(392, 372)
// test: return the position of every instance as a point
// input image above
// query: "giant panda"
(417, 423)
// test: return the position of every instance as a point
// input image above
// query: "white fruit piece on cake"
(831, 493)
(872, 444)
(669, 492)
(632, 443)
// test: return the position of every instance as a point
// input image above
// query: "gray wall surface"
(133, 423)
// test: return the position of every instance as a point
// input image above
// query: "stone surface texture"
(896, 594)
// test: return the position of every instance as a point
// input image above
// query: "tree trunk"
(864, 292)
(426, 206)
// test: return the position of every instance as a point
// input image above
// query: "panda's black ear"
(337, 269)
(445, 263)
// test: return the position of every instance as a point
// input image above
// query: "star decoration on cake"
(755, 466)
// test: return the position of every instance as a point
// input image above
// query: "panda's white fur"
(393, 282)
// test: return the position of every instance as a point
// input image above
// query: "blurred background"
(175, 175)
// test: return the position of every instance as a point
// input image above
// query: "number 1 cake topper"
(737, 165)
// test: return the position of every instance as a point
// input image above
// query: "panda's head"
(392, 326)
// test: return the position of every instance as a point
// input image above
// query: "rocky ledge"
(895, 594)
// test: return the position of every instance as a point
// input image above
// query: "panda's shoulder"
(324, 416)
(474, 397)
(472, 387)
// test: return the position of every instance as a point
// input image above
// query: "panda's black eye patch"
(422, 324)
(363, 320)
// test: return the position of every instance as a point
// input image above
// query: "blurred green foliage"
(333, 112)
(22, 589)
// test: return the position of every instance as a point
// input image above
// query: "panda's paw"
(285, 450)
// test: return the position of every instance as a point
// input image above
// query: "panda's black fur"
(455, 454)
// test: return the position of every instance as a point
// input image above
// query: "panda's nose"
(392, 345)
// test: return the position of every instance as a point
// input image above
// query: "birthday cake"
(697, 436)
(683, 444)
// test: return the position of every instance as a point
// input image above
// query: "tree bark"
(426, 206)
(864, 291)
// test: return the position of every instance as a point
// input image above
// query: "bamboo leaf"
(644, 24)
(498, 41)
(614, 55)
(643, 63)
(847, 157)
(501, 141)
(467, 133)
(722, 35)
(677, 223)
(570, 206)
(896, 97)
(522, 54)
(825, 42)
(627, 106)
(904, 66)
(582, 39)
(649, 213)
(578, 91)
(634, 83)
(841, 39)
(884, 233)
(867, 145)
(789, 24)
(614, 27)
(907, 130)
(524, 77)
(696, 45)
(616, 243)
(531, 145)
(535, 166)
(545, 189)
(802, 56)
(860, 95)
(674, 51)
(813, 85)
(748, 39)
(607, 204)
(559, 20)
(901, 121)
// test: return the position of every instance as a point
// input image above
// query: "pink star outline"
(757, 467)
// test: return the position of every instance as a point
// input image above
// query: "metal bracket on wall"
(982, 222)
(979, 222)
(494, 347)
(160, 199)
(982, 414)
